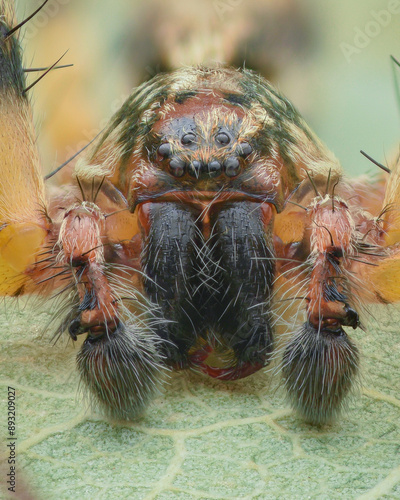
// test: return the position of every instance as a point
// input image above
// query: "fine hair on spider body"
(122, 371)
(204, 220)
(319, 368)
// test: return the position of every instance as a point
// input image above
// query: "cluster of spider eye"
(209, 220)
(230, 167)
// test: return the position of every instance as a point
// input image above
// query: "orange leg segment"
(82, 243)
(320, 361)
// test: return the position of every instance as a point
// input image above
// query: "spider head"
(200, 150)
(203, 147)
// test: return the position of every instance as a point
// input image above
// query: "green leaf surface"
(201, 439)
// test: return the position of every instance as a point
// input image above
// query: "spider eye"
(244, 149)
(177, 167)
(188, 139)
(232, 166)
(165, 149)
(223, 138)
(214, 168)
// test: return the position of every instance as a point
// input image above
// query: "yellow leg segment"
(382, 278)
(23, 222)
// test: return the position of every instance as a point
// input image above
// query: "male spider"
(204, 206)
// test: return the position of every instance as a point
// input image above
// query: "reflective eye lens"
(244, 149)
(214, 167)
(177, 167)
(188, 139)
(223, 138)
(165, 149)
(195, 169)
(232, 167)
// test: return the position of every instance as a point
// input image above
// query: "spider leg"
(382, 276)
(320, 361)
(120, 361)
(24, 225)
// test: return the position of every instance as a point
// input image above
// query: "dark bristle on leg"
(318, 369)
(122, 370)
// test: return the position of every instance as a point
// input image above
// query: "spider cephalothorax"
(208, 130)
(203, 220)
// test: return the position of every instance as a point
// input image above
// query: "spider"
(206, 227)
